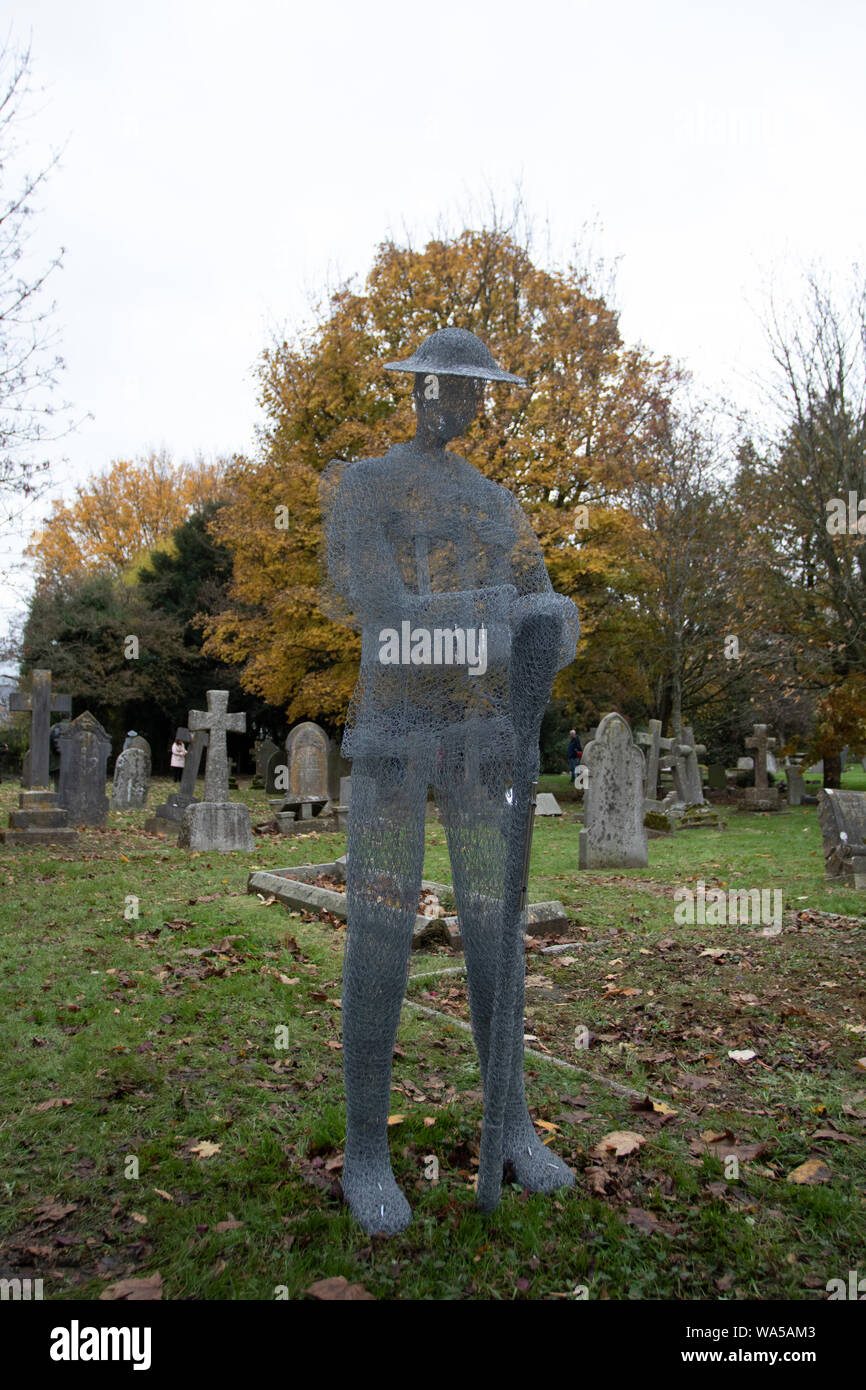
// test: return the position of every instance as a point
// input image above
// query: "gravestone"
(142, 744)
(816, 770)
(745, 764)
(717, 777)
(656, 747)
(277, 774)
(842, 817)
(797, 794)
(546, 804)
(216, 824)
(131, 780)
(84, 750)
(40, 819)
(687, 772)
(264, 752)
(761, 797)
(169, 815)
(307, 748)
(342, 807)
(613, 834)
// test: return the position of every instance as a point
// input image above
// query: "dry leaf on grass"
(812, 1171)
(134, 1290)
(52, 1104)
(206, 1149)
(339, 1289)
(618, 1144)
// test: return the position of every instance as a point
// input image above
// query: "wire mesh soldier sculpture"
(462, 635)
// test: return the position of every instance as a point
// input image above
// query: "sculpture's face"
(447, 405)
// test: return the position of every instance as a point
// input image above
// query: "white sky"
(222, 162)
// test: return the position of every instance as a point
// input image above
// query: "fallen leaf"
(139, 1217)
(160, 1192)
(206, 1149)
(618, 1143)
(54, 1211)
(396, 1120)
(338, 1289)
(134, 1290)
(745, 1055)
(812, 1171)
(52, 1104)
(230, 1225)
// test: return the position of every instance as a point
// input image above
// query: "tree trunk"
(833, 771)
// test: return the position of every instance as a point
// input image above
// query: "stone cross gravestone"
(84, 750)
(613, 834)
(761, 797)
(842, 817)
(170, 814)
(655, 747)
(216, 823)
(40, 819)
(131, 780)
(687, 773)
(42, 702)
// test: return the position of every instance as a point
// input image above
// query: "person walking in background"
(178, 758)
(574, 752)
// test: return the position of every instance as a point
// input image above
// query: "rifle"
(533, 666)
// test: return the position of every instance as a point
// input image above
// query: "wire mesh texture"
(461, 636)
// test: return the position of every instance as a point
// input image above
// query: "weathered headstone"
(277, 774)
(42, 702)
(216, 823)
(264, 752)
(142, 744)
(745, 764)
(306, 795)
(613, 834)
(40, 819)
(816, 770)
(796, 786)
(307, 760)
(131, 780)
(84, 750)
(842, 817)
(169, 815)
(717, 777)
(761, 797)
(546, 804)
(655, 747)
(342, 806)
(687, 773)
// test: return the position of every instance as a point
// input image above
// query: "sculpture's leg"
(385, 849)
(474, 818)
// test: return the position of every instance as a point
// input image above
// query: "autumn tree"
(805, 490)
(120, 515)
(129, 648)
(565, 446)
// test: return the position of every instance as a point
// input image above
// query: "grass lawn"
(172, 1088)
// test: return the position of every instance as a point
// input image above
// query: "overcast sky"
(224, 162)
